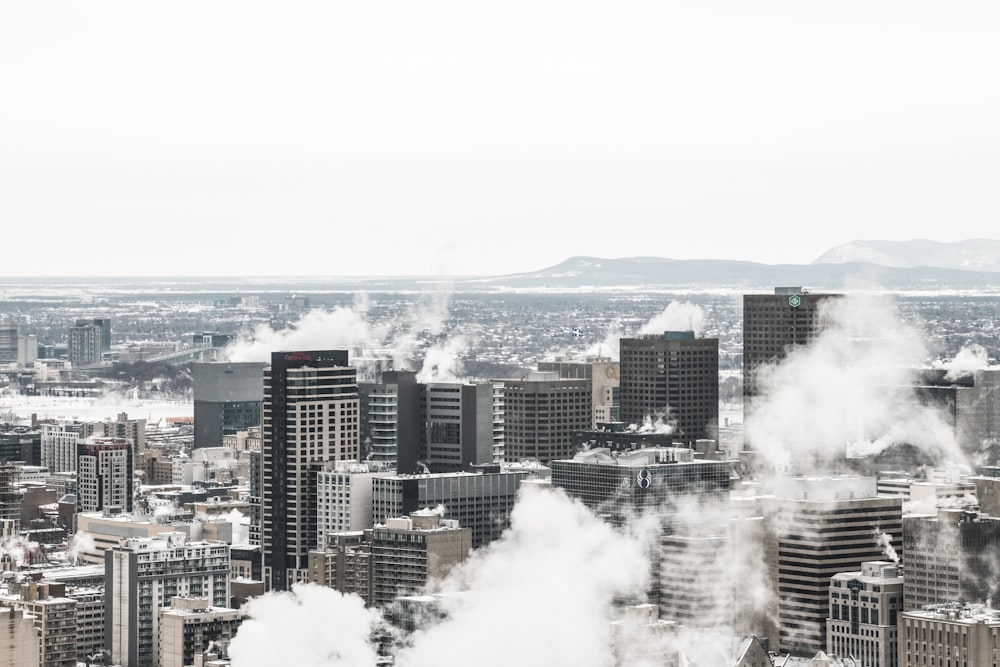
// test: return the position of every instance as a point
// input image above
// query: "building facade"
(540, 415)
(104, 475)
(671, 378)
(310, 417)
(864, 613)
(227, 399)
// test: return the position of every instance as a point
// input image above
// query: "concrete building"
(10, 495)
(949, 635)
(59, 443)
(143, 575)
(775, 323)
(950, 557)
(8, 343)
(227, 399)
(345, 564)
(27, 350)
(390, 419)
(310, 416)
(54, 619)
(104, 326)
(481, 501)
(407, 552)
(815, 528)
(864, 610)
(85, 345)
(456, 425)
(344, 497)
(193, 625)
(104, 475)
(671, 378)
(18, 641)
(603, 375)
(540, 415)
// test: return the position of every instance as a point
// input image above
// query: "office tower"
(144, 574)
(390, 419)
(344, 497)
(59, 443)
(603, 376)
(969, 403)
(18, 641)
(25, 448)
(8, 343)
(815, 528)
(407, 552)
(949, 635)
(673, 377)
(481, 501)
(103, 325)
(773, 324)
(457, 420)
(85, 345)
(863, 614)
(194, 625)
(227, 399)
(541, 413)
(645, 480)
(951, 556)
(104, 475)
(310, 416)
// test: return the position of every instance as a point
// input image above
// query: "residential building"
(193, 625)
(59, 442)
(345, 564)
(949, 635)
(143, 575)
(104, 326)
(8, 343)
(18, 641)
(104, 475)
(344, 497)
(310, 416)
(85, 345)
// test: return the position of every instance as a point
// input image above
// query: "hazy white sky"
(338, 138)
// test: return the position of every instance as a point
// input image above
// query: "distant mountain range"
(903, 265)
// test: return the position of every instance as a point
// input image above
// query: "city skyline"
(478, 140)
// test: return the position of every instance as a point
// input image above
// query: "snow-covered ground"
(20, 408)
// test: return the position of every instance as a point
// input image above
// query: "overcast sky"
(423, 137)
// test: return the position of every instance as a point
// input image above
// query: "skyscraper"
(390, 419)
(815, 528)
(673, 377)
(457, 423)
(104, 325)
(226, 400)
(775, 323)
(85, 345)
(540, 415)
(310, 416)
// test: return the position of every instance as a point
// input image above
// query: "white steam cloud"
(677, 316)
(849, 391)
(969, 359)
(443, 363)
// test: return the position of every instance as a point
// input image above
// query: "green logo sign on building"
(794, 301)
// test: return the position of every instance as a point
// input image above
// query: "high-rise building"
(951, 556)
(864, 607)
(227, 400)
(603, 375)
(407, 552)
(345, 564)
(310, 416)
(344, 497)
(8, 343)
(949, 635)
(673, 378)
(540, 415)
(85, 345)
(390, 419)
(457, 420)
(144, 574)
(54, 619)
(104, 474)
(59, 443)
(18, 641)
(10, 494)
(775, 323)
(815, 528)
(645, 480)
(481, 501)
(104, 326)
